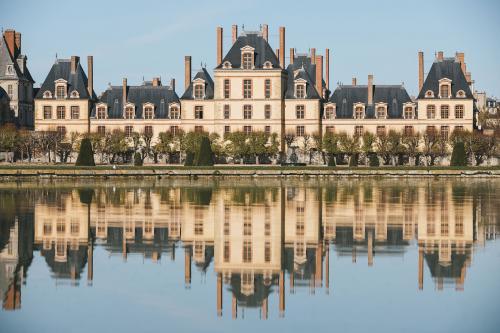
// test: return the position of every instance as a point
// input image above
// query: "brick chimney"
(74, 63)
(292, 55)
(278, 53)
(460, 57)
(172, 84)
(90, 69)
(282, 47)
(234, 33)
(354, 81)
(313, 55)
(319, 75)
(124, 92)
(265, 32)
(156, 82)
(10, 39)
(370, 89)
(187, 72)
(327, 68)
(219, 45)
(440, 56)
(420, 70)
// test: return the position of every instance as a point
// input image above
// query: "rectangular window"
(247, 112)
(75, 112)
(227, 88)
(247, 88)
(300, 130)
(267, 252)
(459, 128)
(247, 62)
(198, 112)
(148, 130)
(300, 91)
(227, 251)
(267, 130)
(247, 251)
(267, 88)
(128, 131)
(247, 129)
(445, 111)
(61, 112)
(267, 111)
(10, 91)
(61, 130)
(380, 130)
(227, 111)
(358, 130)
(198, 129)
(445, 131)
(459, 111)
(199, 91)
(174, 130)
(101, 113)
(227, 129)
(330, 129)
(60, 91)
(431, 111)
(431, 130)
(101, 130)
(47, 112)
(299, 111)
(408, 131)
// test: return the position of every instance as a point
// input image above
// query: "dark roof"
(450, 69)
(209, 85)
(61, 69)
(346, 96)
(262, 51)
(160, 96)
(6, 59)
(302, 68)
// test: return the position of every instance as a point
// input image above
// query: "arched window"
(329, 112)
(74, 94)
(460, 94)
(174, 112)
(431, 111)
(226, 65)
(381, 112)
(429, 94)
(358, 112)
(408, 112)
(129, 112)
(47, 94)
(148, 112)
(199, 91)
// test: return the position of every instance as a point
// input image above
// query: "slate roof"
(262, 53)
(209, 85)
(447, 68)
(61, 69)
(160, 96)
(6, 59)
(302, 68)
(346, 96)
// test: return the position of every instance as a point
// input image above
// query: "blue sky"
(137, 39)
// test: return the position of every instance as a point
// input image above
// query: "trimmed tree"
(86, 155)
(204, 156)
(458, 156)
(137, 159)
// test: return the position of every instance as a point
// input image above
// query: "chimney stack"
(354, 81)
(460, 57)
(440, 56)
(327, 68)
(370, 89)
(292, 55)
(10, 39)
(282, 47)
(319, 75)
(278, 53)
(235, 33)
(313, 55)
(265, 32)
(172, 84)
(187, 72)
(74, 63)
(124, 92)
(90, 70)
(18, 42)
(156, 82)
(219, 45)
(420, 70)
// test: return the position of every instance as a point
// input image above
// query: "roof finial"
(243, 27)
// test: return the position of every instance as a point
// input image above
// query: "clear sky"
(137, 39)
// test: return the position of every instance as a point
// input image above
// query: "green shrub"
(458, 156)
(331, 160)
(373, 160)
(86, 155)
(137, 159)
(189, 159)
(204, 156)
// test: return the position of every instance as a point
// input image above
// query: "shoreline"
(66, 171)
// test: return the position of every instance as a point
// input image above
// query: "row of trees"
(393, 148)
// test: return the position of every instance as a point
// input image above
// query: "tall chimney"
(235, 32)
(440, 56)
(265, 32)
(156, 82)
(278, 53)
(172, 84)
(370, 89)
(90, 70)
(420, 70)
(18, 42)
(327, 69)
(319, 75)
(187, 72)
(282, 47)
(313, 55)
(354, 81)
(460, 56)
(124, 92)
(292, 55)
(74, 63)
(219, 45)
(10, 39)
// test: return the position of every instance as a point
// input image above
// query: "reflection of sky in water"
(146, 289)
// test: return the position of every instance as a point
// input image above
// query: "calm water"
(414, 255)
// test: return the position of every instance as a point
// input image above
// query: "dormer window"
(74, 94)
(60, 91)
(199, 91)
(9, 70)
(175, 112)
(429, 94)
(359, 111)
(381, 111)
(445, 88)
(268, 65)
(300, 90)
(408, 112)
(461, 94)
(247, 57)
(101, 112)
(148, 112)
(227, 65)
(47, 94)
(129, 112)
(329, 112)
